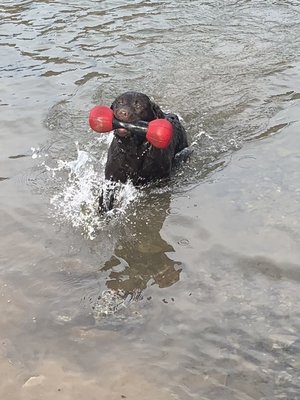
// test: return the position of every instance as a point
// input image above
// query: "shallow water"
(189, 290)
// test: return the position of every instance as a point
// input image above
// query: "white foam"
(110, 302)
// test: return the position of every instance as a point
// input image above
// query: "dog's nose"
(124, 114)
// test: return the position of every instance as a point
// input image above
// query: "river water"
(186, 291)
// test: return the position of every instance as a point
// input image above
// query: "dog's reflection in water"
(141, 256)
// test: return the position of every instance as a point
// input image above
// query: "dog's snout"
(123, 114)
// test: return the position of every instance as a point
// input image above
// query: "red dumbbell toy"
(158, 132)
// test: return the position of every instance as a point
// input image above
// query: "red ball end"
(160, 133)
(101, 119)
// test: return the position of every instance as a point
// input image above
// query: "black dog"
(130, 156)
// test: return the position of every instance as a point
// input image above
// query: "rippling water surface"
(186, 291)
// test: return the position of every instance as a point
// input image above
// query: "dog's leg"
(183, 155)
(106, 199)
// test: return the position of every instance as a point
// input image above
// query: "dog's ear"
(157, 111)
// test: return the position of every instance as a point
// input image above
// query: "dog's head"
(134, 106)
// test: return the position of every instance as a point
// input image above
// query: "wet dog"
(130, 156)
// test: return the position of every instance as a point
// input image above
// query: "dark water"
(189, 291)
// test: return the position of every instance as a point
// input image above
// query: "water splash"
(81, 181)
